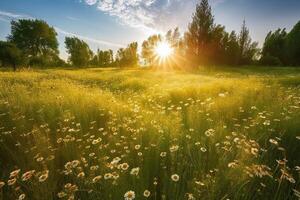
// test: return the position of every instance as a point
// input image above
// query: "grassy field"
(140, 134)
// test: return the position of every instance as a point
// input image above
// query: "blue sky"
(114, 23)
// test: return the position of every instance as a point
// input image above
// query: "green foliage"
(80, 53)
(10, 54)
(209, 43)
(128, 57)
(273, 52)
(35, 38)
(248, 49)
(148, 49)
(281, 47)
(200, 33)
(293, 45)
(231, 47)
(103, 58)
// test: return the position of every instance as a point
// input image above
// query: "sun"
(163, 50)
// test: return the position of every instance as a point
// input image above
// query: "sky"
(111, 24)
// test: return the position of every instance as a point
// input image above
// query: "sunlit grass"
(117, 134)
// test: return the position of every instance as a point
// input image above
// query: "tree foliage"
(10, 54)
(80, 53)
(148, 49)
(281, 47)
(128, 57)
(273, 52)
(35, 38)
(248, 49)
(200, 31)
(293, 45)
(103, 58)
(209, 43)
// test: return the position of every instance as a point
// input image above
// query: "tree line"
(34, 43)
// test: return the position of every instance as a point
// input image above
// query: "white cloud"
(88, 39)
(158, 15)
(91, 2)
(7, 16)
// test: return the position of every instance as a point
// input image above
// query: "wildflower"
(199, 183)
(222, 95)
(209, 132)
(115, 175)
(175, 177)
(75, 163)
(190, 196)
(135, 171)
(129, 195)
(203, 149)
(14, 173)
(108, 176)
(22, 196)
(163, 154)
(174, 148)
(61, 195)
(254, 151)
(147, 193)
(94, 167)
(11, 181)
(267, 123)
(137, 147)
(44, 176)
(81, 175)
(273, 141)
(96, 179)
(124, 166)
(40, 159)
(27, 175)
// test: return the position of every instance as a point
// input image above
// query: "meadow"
(109, 134)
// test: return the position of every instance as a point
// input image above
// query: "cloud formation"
(8, 16)
(88, 39)
(149, 14)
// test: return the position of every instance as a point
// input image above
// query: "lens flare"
(163, 50)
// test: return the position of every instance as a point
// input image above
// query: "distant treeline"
(34, 43)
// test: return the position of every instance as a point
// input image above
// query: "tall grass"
(138, 134)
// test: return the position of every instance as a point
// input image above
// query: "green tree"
(232, 49)
(35, 38)
(10, 54)
(80, 53)
(199, 32)
(273, 52)
(128, 56)
(103, 58)
(248, 49)
(293, 45)
(148, 49)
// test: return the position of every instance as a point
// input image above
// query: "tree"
(80, 53)
(293, 45)
(128, 56)
(232, 49)
(199, 32)
(148, 49)
(273, 52)
(248, 49)
(103, 58)
(34, 37)
(10, 54)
